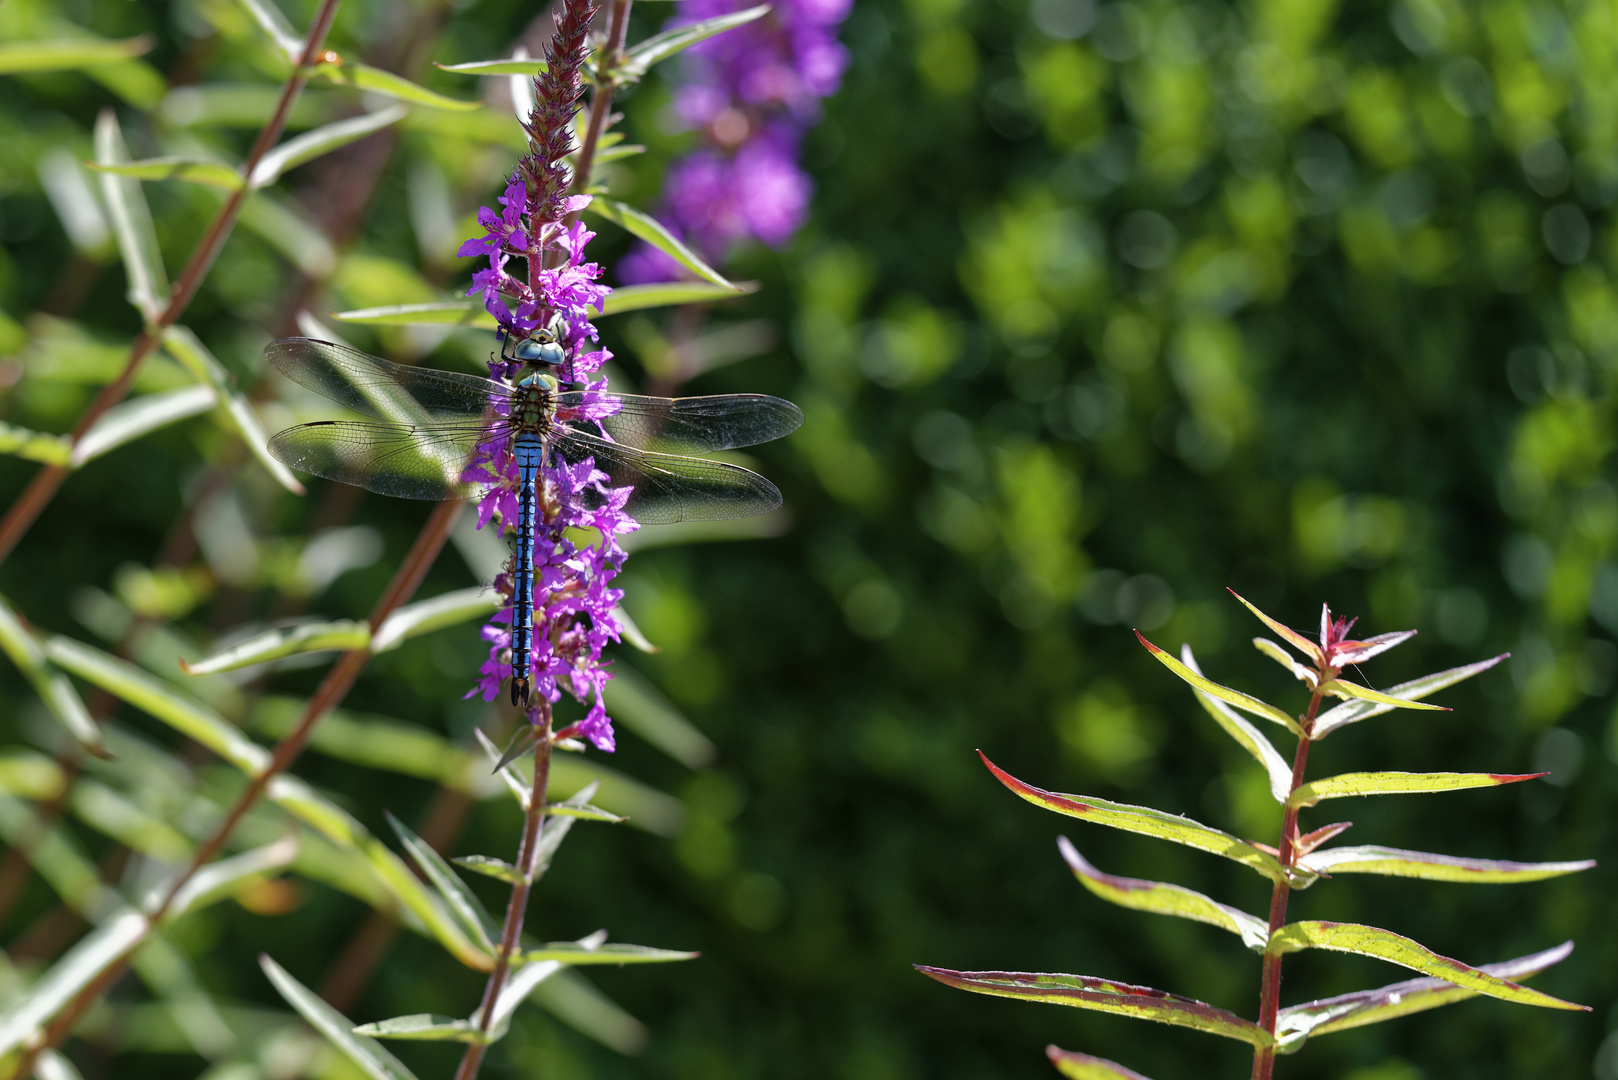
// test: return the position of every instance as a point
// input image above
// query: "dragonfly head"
(540, 346)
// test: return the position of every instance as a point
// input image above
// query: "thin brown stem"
(327, 696)
(517, 906)
(22, 514)
(601, 100)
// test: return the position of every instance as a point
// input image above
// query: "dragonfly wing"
(375, 387)
(407, 462)
(669, 488)
(695, 425)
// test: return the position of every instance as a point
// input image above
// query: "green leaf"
(1104, 995)
(131, 223)
(111, 814)
(512, 66)
(225, 878)
(1298, 641)
(130, 420)
(180, 711)
(380, 743)
(638, 705)
(669, 293)
(578, 806)
(377, 81)
(1342, 688)
(105, 945)
(1245, 702)
(1396, 949)
(463, 905)
(322, 140)
(314, 635)
(576, 954)
(426, 1027)
(653, 232)
(1302, 672)
(1247, 736)
(1399, 783)
(194, 356)
(25, 650)
(191, 170)
(28, 775)
(275, 26)
(1146, 821)
(54, 1066)
(1084, 1067)
(1162, 898)
(488, 867)
(1299, 1022)
(371, 1057)
(1396, 862)
(69, 54)
(570, 998)
(425, 616)
(641, 56)
(1350, 712)
(468, 313)
(286, 226)
(35, 445)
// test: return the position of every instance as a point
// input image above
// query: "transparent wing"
(695, 425)
(405, 461)
(375, 387)
(670, 488)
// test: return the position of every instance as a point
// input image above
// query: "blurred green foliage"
(1105, 307)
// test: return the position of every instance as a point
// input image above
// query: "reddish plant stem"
(22, 514)
(1270, 988)
(601, 100)
(517, 906)
(331, 691)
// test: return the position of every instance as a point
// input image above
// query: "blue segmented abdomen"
(530, 454)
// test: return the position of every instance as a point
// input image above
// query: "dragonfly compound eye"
(540, 352)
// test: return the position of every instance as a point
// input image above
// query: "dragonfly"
(427, 425)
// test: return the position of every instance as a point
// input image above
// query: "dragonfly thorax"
(533, 406)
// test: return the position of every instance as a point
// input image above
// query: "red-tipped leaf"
(1397, 862)
(1078, 1066)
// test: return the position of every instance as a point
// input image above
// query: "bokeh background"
(1102, 307)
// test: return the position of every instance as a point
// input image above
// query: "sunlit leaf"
(371, 1057)
(1245, 702)
(69, 54)
(569, 997)
(1355, 710)
(1298, 641)
(194, 356)
(641, 56)
(1162, 898)
(575, 954)
(638, 705)
(28, 775)
(1343, 688)
(131, 223)
(1396, 949)
(498, 869)
(1399, 783)
(426, 1027)
(1357, 652)
(1078, 1066)
(468, 313)
(322, 140)
(669, 293)
(274, 24)
(35, 445)
(191, 170)
(130, 420)
(54, 1066)
(111, 814)
(1302, 672)
(425, 616)
(512, 66)
(226, 878)
(1144, 820)
(314, 635)
(180, 711)
(1104, 995)
(1396, 862)
(578, 806)
(463, 905)
(377, 81)
(26, 651)
(1247, 736)
(1298, 1022)
(655, 233)
(105, 945)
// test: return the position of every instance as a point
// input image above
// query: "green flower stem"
(1270, 990)
(516, 907)
(45, 484)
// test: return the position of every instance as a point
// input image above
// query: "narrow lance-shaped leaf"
(373, 1060)
(498, 869)
(321, 140)
(652, 231)
(1078, 1066)
(425, 616)
(640, 57)
(1352, 711)
(1104, 995)
(422, 1027)
(69, 54)
(1162, 898)
(1396, 949)
(275, 25)
(1343, 688)
(35, 445)
(1299, 1022)
(130, 420)
(636, 703)
(516, 65)
(314, 635)
(467, 909)
(1399, 783)
(53, 687)
(1247, 736)
(1298, 641)
(1302, 672)
(1396, 862)
(1144, 820)
(376, 81)
(215, 174)
(131, 223)
(571, 998)
(1245, 702)
(575, 954)
(194, 356)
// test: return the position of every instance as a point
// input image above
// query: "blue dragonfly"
(428, 425)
